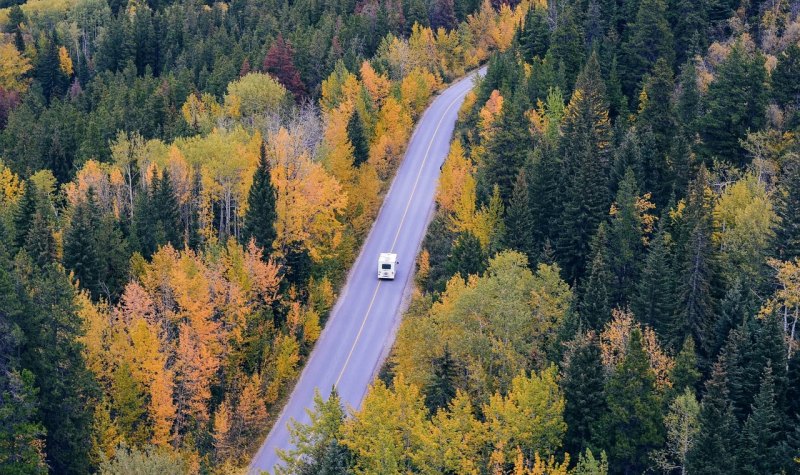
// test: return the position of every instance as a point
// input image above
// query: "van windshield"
(386, 266)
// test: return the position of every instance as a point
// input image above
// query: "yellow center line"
(399, 228)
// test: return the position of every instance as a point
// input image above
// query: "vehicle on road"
(386, 265)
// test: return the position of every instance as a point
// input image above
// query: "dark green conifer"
(519, 222)
(595, 302)
(585, 403)
(466, 256)
(441, 389)
(259, 221)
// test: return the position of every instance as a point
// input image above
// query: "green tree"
(717, 445)
(625, 241)
(786, 78)
(735, 105)
(595, 302)
(519, 222)
(632, 427)
(54, 355)
(787, 204)
(82, 253)
(762, 437)
(655, 112)
(317, 446)
(534, 36)
(165, 205)
(358, 138)
(466, 257)
(507, 149)
(259, 221)
(443, 383)
(586, 152)
(650, 38)
(684, 374)
(583, 385)
(654, 300)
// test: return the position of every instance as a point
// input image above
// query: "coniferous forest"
(610, 284)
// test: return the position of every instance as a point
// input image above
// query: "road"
(362, 324)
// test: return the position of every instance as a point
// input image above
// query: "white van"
(386, 265)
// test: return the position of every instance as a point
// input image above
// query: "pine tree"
(165, 205)
(595, 302)
(507, 150)
(415, 13)
(762, 437)
(695, 301)
(259, 220)
(544, 182)
(534, 37)
(53, 354)
(358, 139)
(519, 222)
(23, 215)
(586, 151)
(466, 257)
(566, 44)
(715, 450)
(786, 78)
(650, 38)
(583, 386)
(735, 105)
(632, 425)
(40, 244)
(625, 241)
(655, 111)
(654, 301)
(82, 252)
(628, 155)
(687, 104)
(442, 386)
(787, 234)
(685, 374)
(144, 224)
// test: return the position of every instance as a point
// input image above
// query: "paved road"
(362, 325)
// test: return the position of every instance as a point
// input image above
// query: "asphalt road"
(362, 325)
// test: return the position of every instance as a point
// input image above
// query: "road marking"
(422, 166)
(399, 228)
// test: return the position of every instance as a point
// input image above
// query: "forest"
(611, 282)
(183, 187)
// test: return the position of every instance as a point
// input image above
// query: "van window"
(386, 266)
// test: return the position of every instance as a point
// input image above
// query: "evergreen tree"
(40, 244)
(519, 222)
(628, 155)
(650, 38)
(786, 78)
(583, 386)
(259, 220)
(507, 149)
(685, 374)
(24, 214)
(415, 13)
(695, 300)
(687, 104)
(632, 427)
(595, 302)
(441, 388)
(787, 234)
(466, 256)
(586, 150)
(54, 355)
(654, 300)
(358, 138)
(655, 111)
(717, 445)
(625, 241)
(566, 44)
(82, 248)
(165, 205)
(144, 224)
(735, 104)
(544, 182)
(534, 36)
(762, 438)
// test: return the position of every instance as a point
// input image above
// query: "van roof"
(387, 257)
